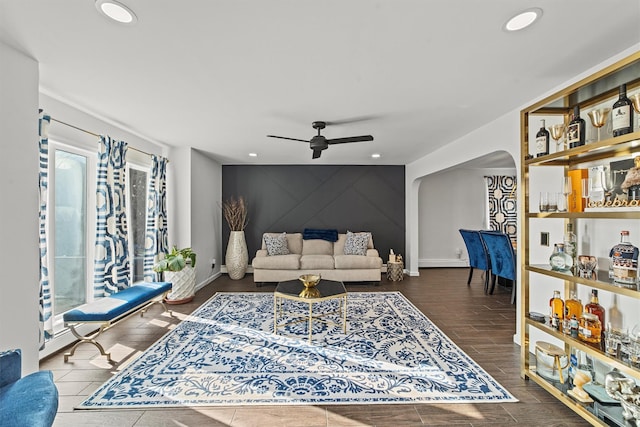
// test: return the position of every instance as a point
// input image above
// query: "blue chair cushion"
(30, 401)
(111, 307)
(503, 260)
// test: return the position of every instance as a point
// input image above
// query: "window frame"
(90, 186)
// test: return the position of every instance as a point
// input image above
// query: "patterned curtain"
(156, 234)
(46, 320)
(111, 265)
(503, 212)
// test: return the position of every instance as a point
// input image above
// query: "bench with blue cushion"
(29, 401)
(107, 311)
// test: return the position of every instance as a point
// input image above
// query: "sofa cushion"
(317, 247)
(278, 262)
(316, 262)
(276, 245)
(350, 262)
(356, 243)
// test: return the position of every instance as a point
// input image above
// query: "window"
(71, 223)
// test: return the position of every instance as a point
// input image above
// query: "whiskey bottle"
(622, 114)
(576, 129)
(556, 307)
(624, 262)
(542, 141)
(593, 307)
(573, 306)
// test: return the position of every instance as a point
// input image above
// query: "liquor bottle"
(595, 308)
(573, 306)
(559, 260)
(622, 114)
(542, 141)
(576, 129)
(556, 307)
(570, 248)
(624, 262)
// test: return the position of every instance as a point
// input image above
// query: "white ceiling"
(219, 75)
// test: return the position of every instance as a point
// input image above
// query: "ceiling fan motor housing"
(318, 142)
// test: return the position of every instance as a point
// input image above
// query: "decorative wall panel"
(291, 198)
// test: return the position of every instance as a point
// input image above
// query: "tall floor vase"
(237, 257)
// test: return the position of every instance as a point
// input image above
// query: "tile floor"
(482, 325)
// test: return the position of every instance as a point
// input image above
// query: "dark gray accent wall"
(294, 197)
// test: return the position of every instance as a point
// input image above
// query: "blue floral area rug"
(226, 353)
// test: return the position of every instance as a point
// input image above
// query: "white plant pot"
(184, 285)
(237, 257)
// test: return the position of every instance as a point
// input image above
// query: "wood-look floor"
(482, 325)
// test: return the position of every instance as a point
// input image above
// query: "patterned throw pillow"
(276, 245)
(356, 243)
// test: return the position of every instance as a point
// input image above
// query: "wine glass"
(608, 182)
(599, 118)
(635, 100)
(567, 189)
(557, 132)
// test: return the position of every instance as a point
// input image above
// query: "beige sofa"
(316, 256)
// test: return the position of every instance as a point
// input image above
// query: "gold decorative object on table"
(310, 281)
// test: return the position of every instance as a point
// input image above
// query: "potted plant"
(178, 267)
(237, 257)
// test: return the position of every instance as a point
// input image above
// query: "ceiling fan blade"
(316, 154)
(349, 120)
(362, 138)
(285, 137)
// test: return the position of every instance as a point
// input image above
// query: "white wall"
(194, 193)
(19, 257)
(450, 200)
(206, 214)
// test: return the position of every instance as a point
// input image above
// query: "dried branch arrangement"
(235, 213)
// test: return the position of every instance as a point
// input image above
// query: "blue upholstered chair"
(478, 255)
(30, 401)
(503, 259)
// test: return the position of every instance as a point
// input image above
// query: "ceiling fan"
(319, 142)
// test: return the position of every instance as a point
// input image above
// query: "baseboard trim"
(434, 262)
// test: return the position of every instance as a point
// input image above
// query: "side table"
(395, 271)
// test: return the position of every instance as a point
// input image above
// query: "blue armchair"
(503, 259)
(30, 401)
(478, 255)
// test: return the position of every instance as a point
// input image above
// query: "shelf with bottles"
(598, 350)
(625, 145)
(594, 115)
(602, 282)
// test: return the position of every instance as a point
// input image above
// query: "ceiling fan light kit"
(318, 143)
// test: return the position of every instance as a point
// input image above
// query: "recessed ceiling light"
(116, 11)
(523, 19)
(253, 154)
(375, 155)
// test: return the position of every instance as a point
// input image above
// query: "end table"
(395, 271)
